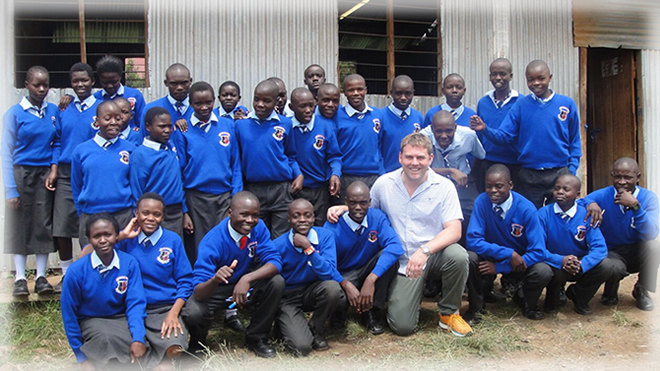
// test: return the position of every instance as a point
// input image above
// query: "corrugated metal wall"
(650, 76)
(245, 41)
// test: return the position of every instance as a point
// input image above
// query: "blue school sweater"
(216, 110)
(135, 98)
(134, 135)
(319, 156)
(502, 153)
(99, 177)
(218, 249)
(463, 120)
(574, 237)
(210, 161)
(85, 294)
(74, 128)
(299, 269)
(360, 142)
(27, 140)
(268, 153)
(157, 171)
(629, 227)
(547, 134)
(174, 114)
(495, 239)
(166, 272)
(394, 130)
(355, 251)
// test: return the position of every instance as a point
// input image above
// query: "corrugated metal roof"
(616, 24)
(245, 41)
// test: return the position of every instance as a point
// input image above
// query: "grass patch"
(620, 319)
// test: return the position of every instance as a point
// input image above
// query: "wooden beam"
(81, 26)
(440, 60)
(638, 97)
(390, 45)
(583, 99)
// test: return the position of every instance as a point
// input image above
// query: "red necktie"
(243, 241)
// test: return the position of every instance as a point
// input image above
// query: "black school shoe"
(58, 287)
(372, 323)
(320, 343)
(42, 287)
(533, 314)
(234, 323)
(474, 318)
(261, 348)
(20, 288)
(642, 298)
(579, 307)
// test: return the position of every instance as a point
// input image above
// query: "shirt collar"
(88, 102)
(273, 116)
(352, 224)
(126, 132)
(512, 94)
(101, 141)
(298, 124)
(154, 238)
(119, 93)
(506, 205)
(151, 144)
(312, 236)
(27, 106)
(457, 111)
(173, 101)
(195, 121)
(350, 111)
(236, 236)
(397, 111)
(570, 212)
(544, 100)
(223, 113)
(96, 262)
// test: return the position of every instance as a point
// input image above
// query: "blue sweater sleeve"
(76, 179)
(392, 248)
(597, 249)
(137, 175)
(70, 303)
(333, 153)
(323, 261)
(237, 173)
(575, 146)
(183, 272)
(507, 133)
(136, 303)
(535, 239)
(291, 154)
(57, 140)
(9, 128)
(267, 251)
(646, 218)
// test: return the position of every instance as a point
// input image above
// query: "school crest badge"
(95, 123)
(132, 101)
(517, 230)
(563, 113)
(418, 127)
(373, 236)
(252, 249)
(377, 125)
(164, 255)
(279, 133)
(581, 233)
(318, 142)
(224, 138)
(123, 157)
(122, 285)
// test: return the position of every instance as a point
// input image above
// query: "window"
(57, 34)
(364, 43)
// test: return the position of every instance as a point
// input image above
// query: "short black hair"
(230, 83)
(81, 67)
(499, 169)
(109, 63)
(153, 113)
(103, 104)
(34, 70)
(200, 86)
(151, 195)
(101, 216)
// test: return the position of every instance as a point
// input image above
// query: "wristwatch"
(426, 250)
(309, 251)
(635, 207)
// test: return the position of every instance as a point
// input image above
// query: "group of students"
(172, 170)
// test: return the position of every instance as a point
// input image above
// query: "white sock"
(231, 312)
(64, 264)
(19, 262)
(42, 263)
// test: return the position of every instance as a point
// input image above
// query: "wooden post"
(583, 99)
(81, 26)
(440, 61)
(390, 45)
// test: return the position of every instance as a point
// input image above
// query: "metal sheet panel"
(616, 24)
(650, 76)
(245, 41)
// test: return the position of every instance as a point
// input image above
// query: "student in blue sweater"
(505, 236)
(628, 218)
(29, 173)
(314, 77)
(99, 171)
(360, 136)
(309, 268)
(269, 158)
(399, 120)
(103, 301)
(576, 251)
(77, 124)
(281, 107)
(155, 168)
(327, 101)
(320, 159)
(236, 258)
(493, 108)
(453, 88)
(210, 165)
(368, 251)
(545, 127)
(126, 131)
(229, 95)
(110, 70)
(178, 81)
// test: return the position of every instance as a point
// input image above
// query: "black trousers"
(534, 280)
(537, 185)
(586, 284)
(206, 210)
(348, 179)
(642, 257)
(382, 287)
(266, 296)
(275, 198)
(481, 167)
(320, 199)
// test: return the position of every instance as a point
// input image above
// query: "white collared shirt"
(87, 103)
(151, 144)
(465, 142)
(154, 238)
(96, 262)
(544, 100)
(506, 205)
(300, 126)
(350, 111)
(397, 111)
(194, 121)
(236, 236)
(512, 94)
(273, 116)
(98, 139)
(36, 111)
(223, 113)
(125, 133)
(288, 112)
(457, 111)
(312, 236)
(118, 93)
(635, 194)
(570, 212)
(352, 224)
(186, 103)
